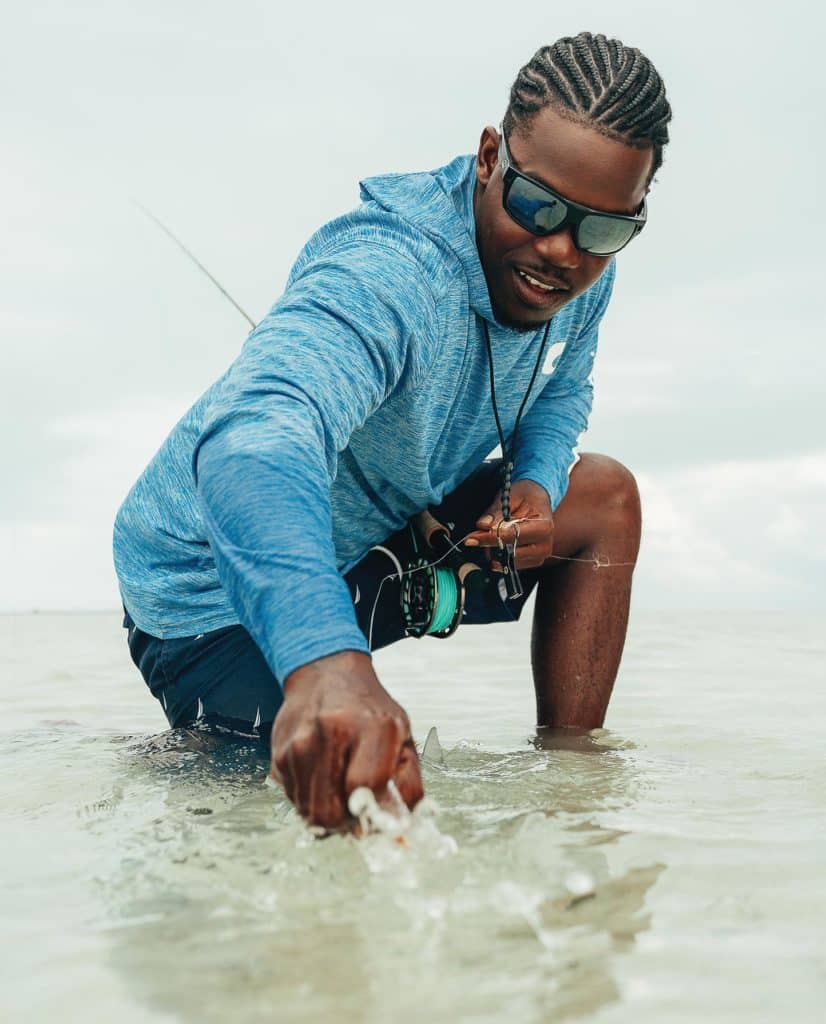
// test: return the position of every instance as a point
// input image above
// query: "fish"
(432, 750)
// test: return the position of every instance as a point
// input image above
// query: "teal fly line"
(447, 598)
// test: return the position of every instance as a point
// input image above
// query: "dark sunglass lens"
(604, 235)
(534, 208)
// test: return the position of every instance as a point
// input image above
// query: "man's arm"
(344, 336)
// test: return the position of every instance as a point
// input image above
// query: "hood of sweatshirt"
(440, 204)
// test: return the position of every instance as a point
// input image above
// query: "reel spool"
(432, 600)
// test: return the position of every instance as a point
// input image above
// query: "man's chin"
(521, 317)
(519, 321)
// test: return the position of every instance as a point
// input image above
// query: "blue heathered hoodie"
(360, 399)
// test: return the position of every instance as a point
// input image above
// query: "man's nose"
(558, 249)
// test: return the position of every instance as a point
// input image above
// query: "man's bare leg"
(581, 611)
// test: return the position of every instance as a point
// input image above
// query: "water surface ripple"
(668, 868)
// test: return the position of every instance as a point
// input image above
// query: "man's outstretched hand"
(530, 504)
(339, 729)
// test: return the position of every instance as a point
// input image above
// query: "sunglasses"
(542, 211)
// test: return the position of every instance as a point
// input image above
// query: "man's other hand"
(339, 729)
(530, 503)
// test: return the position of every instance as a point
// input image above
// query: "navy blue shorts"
(220, 680)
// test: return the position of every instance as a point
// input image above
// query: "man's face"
(581, 165)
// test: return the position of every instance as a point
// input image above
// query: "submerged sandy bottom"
(159, 880)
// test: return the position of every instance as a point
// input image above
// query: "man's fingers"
(530, 531)
(328, 805)
(491, 514)
(375, 755)
(301, 774)
(319, 771)
(521, 505)
(531, 556)
(312, 770)
(487, 538)
(409, 775)
(281, 772)
(319, 782)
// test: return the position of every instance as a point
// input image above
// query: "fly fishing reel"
(432, 599)
(433, 589)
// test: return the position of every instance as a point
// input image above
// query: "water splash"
(392, 835)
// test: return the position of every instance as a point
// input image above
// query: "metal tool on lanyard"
(506, 556)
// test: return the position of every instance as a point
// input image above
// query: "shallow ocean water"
(668, 868)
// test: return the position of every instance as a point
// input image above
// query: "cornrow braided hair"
(599, 82)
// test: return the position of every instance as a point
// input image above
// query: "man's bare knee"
(617, 487)
(605, 492)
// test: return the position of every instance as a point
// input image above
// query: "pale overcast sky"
(246, 125)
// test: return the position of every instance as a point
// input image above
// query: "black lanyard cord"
(508, 460)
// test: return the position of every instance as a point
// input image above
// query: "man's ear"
(487, 155)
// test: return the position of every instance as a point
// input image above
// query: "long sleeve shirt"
(362, 398)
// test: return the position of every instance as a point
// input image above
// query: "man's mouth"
(539, 291)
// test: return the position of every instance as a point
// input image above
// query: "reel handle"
(435, 534)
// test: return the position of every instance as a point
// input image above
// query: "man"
(449, 311)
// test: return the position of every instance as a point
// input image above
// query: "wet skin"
(338, 728)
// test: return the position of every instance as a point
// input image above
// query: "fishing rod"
(170, 234)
